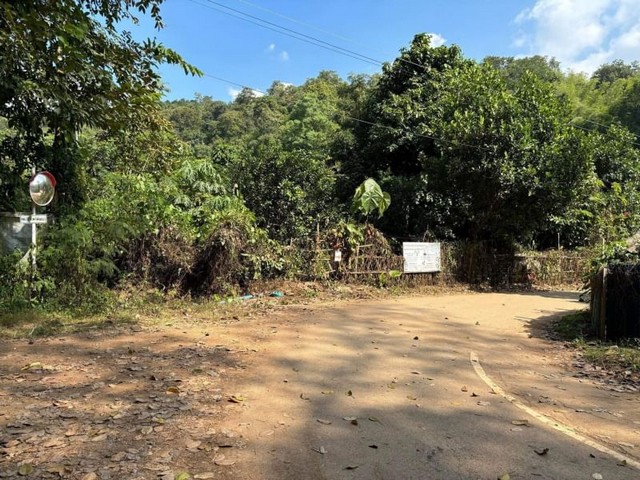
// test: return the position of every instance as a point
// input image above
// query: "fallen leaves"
(352, 420)
(521, 423)
(25, 469)
(321, 450)
(541, 451)
(222, 461)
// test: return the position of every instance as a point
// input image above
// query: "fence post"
(602, 324)
(597, 281)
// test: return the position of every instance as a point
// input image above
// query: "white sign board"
(39, 218)
(421, 257)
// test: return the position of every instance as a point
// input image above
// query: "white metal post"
(34, 240)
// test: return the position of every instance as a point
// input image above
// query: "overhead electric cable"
(593, 130)
(287, 31)
(430, 137)
(255, 20)
(388, 127)
(220, 79)
(608, 126)
(299, 22)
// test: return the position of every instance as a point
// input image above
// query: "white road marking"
(475, 362)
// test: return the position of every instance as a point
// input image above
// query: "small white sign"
(421, 257)
(337, 256)
(39, 218)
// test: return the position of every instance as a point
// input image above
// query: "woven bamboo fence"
(462, 263)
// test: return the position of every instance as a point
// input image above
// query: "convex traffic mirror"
(42, 188)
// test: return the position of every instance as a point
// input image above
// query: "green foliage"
(14, 283)
(289, 191)
(65, 65)
(513, 70)
(202, 196)
(574, 326)
(467, 153)
(369, 198)
(616, 70)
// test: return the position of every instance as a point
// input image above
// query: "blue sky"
(581, 34)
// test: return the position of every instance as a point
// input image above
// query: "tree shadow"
(124, 404)
(401, 403)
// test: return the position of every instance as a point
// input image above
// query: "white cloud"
(520, 41)
(581, 34)
(437, 40)
(271, 48)
(284, 56)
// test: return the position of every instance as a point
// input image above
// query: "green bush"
(15, 283)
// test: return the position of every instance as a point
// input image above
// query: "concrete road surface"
(387, 390)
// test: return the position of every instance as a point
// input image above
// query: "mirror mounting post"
(42, 189)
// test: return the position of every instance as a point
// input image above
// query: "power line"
(287, 31)
(299, 22)
(260, 22)
(608, 126)
(220, 79)
(388, 127)
(337, 49)
(592, 130)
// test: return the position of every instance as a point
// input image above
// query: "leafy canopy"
(65, 65)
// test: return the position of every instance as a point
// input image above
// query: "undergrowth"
(576, 328)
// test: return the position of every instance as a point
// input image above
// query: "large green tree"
(466, 153)
(67, 64)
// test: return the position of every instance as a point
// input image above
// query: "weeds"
(576, 328)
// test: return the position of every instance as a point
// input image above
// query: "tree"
(289, 191)
(65, 65)
(464, 154)
(513, 69)
(627, 108)
(616, 70)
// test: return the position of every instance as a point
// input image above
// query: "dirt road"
(367, 390)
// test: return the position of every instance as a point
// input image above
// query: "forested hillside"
(510, 151)
(204, 196)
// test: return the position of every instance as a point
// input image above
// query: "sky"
(227, 39)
